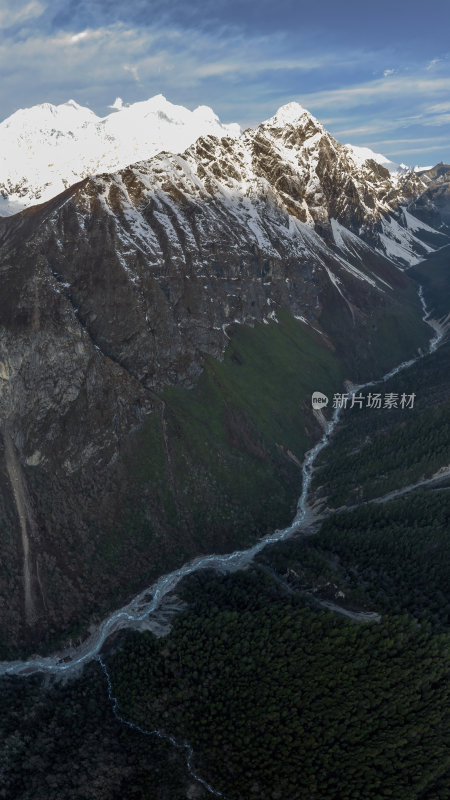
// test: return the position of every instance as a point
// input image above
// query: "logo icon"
(319, 400)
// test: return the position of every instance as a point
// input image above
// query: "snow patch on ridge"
(361, 154)
(401, 245)
(414, 224)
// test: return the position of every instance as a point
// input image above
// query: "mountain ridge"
(140, 312)
(47, 148)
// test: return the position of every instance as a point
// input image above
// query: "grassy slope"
(218, 455)
(383, 337)
(217, 461)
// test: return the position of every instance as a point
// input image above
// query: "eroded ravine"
(26, 521)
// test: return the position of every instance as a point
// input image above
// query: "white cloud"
(412, 140)
(378, 91)
(431, 64)
(439, 108)
(427, 149)
(16, 16)
(133, 70)
(439, 119)
(77, 37)
(192, 56)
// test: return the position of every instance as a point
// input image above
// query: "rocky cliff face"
(433, 204)
(130, 283)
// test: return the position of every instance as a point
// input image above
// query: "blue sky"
(376, 74)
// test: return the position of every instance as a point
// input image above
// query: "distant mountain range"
(47, 148)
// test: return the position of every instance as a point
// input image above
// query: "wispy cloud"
(416, 150)
(377, 90)
(438, 108)
(438, 120)
(433, 63)
(78, 37)
(161, 59)
(20, 14)
(133, 70)
(412, 140)
(96, 50)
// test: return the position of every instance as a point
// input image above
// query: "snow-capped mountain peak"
(290, 114)
(118, 104)
(46, 148)
(361, 154)
(38, 118)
